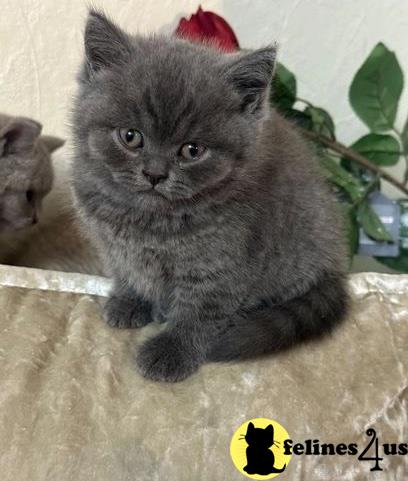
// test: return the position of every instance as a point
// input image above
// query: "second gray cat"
(26, 172)
(207, 206)
(26, 178)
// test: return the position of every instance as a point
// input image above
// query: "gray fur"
(240, 252)
(26, 173)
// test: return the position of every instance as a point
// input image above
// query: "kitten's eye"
(192, 151)
(30, 195)
(131, 138)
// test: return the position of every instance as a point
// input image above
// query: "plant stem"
(309, 104)
(355, 157)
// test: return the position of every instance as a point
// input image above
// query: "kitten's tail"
(277, 326)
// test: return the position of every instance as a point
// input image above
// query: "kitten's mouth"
(154, 192)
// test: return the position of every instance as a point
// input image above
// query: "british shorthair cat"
(38, 221)
(26, 177)
(207, 206)
(26, 173)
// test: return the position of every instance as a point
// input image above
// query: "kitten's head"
(260, 437)
(25, 171)
(164, 120)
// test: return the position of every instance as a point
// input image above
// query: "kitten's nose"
(154, 177)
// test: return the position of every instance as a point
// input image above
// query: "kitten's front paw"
(163, 358)
(125, 312)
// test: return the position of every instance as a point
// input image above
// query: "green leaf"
(283, 93)
(322, 122)
(364, 175)
(300, 118)
(339, 176)
(376, 89)
(404, 137)
(371, 223)
(379, 148)
(351, 225)
(399, 263)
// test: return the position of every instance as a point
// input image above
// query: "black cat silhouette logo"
(260, 459)
(257, 449)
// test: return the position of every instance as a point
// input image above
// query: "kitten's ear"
(251, 75)
(105, 43)
(250, 427)
(19, 135)
(52, 143)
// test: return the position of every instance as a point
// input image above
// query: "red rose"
(208, 26)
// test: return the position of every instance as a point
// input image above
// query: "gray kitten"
(207, 205)
(26, 178)
(26, 173)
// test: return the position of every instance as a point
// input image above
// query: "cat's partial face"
(18, 210)
(259, 436)
(165, 120)
(25, 170)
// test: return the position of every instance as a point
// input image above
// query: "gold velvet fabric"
(74, 408)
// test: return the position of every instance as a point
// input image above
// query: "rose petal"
(208, 26)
